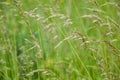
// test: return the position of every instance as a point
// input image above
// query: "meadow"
(59, 39)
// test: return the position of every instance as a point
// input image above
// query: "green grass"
(59, 40)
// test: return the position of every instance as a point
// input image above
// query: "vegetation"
(59, 40)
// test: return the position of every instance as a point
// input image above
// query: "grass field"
(59, 40)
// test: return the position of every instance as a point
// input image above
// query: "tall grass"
(59, 40)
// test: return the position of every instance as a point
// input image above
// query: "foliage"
(59, 40)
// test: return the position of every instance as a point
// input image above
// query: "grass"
(59, 40)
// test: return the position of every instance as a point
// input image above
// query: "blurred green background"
(59, 39)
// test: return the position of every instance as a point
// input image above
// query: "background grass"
(59, 40)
